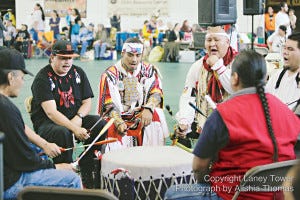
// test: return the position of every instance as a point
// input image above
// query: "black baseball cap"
(12, 59)
(63, 48)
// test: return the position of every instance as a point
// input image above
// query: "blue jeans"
(100, 50)
(84, 46)
(191, 192)
(44, 177)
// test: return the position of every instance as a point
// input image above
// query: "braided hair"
(251, 69)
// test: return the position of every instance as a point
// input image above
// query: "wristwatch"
(80, 115)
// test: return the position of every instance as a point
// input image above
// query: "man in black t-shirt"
(22, 165)
(61, 104)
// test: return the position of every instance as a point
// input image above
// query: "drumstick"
(99, 120)
(197, 109)
(184, 147)
(104, 129)
(173, 137)
(97, 143)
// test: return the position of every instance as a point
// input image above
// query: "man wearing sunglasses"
(62, 99)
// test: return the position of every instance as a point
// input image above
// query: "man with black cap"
(22, 165)
(61, 104)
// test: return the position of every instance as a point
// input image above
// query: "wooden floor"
(173, 80)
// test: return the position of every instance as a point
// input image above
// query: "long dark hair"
(78, 16)
(43, 14)
(251, 69)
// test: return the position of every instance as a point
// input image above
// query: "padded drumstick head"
(169, 110)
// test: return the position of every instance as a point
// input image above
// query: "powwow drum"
(146, 171)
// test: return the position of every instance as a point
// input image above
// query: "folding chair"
(44, 44)
(275, 172)
(54, 193)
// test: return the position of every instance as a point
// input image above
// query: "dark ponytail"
(251, 69)
(43, 14)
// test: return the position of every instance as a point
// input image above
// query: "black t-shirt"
(18, 155)
(23, 34)
(68, 92)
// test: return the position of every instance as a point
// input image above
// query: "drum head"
(148, 162)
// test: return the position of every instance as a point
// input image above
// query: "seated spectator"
(172, 47)
(185, 26)
(170, 27)
(64, 33)
(86, 38)
(22, 40)
(277, 39)
(196, 28)
(9, 16)
(9, 34)
(2, 29)
(22, 165)
(101, 42)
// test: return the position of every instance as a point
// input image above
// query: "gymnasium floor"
(173, 79)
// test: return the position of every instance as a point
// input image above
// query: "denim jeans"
(100, 50)
(191, 192)
(44, 177)
(84, 46)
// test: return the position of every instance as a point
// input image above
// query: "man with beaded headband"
(134, 89)
(208, 76)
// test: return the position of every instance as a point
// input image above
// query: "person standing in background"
(293, 19)
(270, 21)
(282, 18)
(38, 18)
(75, 25)
(115, 21)
(54, 24)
